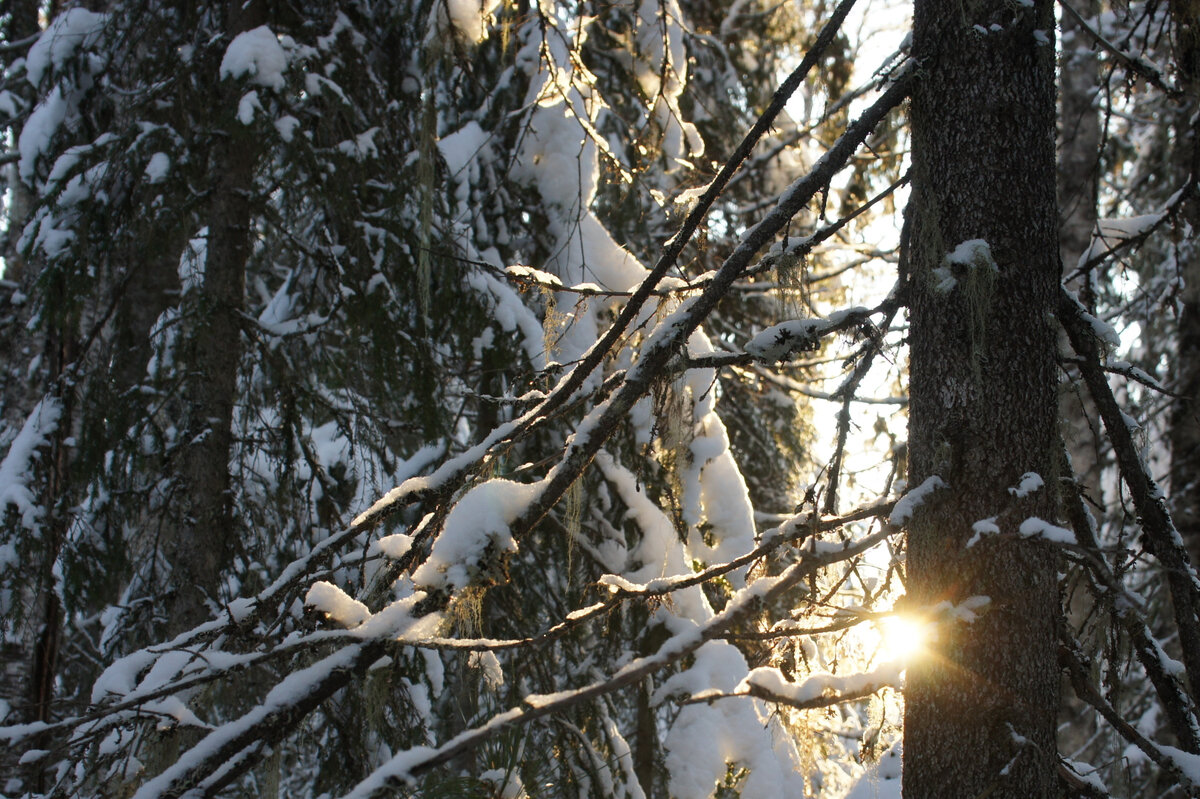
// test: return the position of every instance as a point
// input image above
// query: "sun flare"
(903, 637)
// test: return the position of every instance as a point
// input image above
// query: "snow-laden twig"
(674, 246)
(405, 765)
(816, 690)
(670, 336)
(1183, 766)
(1162, 217)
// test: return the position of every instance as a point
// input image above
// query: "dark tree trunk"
(203, 537)
(981, 705)
(1185, 417)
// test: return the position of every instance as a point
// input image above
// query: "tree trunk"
(203, 538)
(1185, 417)
(1078, 168)
(981, 704)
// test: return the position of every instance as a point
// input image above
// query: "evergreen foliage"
(452, 399)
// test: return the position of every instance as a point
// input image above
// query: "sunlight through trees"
(650, 399)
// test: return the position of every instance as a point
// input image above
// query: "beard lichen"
(968, 275)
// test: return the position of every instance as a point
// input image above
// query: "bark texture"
(1185, 416)
(981, 704)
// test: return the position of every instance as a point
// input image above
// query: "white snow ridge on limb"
(478, 523)
(72, 30)
(335, 603)
(783, 341)
(907, 505)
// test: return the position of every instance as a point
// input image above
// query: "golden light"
(902, 638)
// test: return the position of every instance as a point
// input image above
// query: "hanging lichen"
(573, 520)
(791, 284)
(968, 275)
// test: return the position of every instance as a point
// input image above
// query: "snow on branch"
(816, 690)
(1130, 611)
(408, 764)
(788, 339)
(15, 473)
(1162, 538)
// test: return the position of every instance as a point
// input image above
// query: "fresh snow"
(336, 604)
(38, 132)
(477, 526)
(1113, 232)
(73, 30)
(780, 341)
(659, 552)
(1035, 527)
(819, 684)
(983, 527)
(158, 168)
(470, 17)
(907, 505)
(257, 56)
(395, 546)
(883, 778)
(704, 738)
(786, 339)
(970, 254)
(284, 695)
(286, 126)
(974, 252)
(1030, 482)
(247, 106)
(15, 468)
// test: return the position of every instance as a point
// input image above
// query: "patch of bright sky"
(876, 29)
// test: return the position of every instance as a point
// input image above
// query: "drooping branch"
(1162, 539)
(1178, 707)
(674, 246)
(1073, 660)
(671, 335)
(1137, 66)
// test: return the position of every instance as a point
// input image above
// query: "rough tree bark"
(1185, 416)
(981, 704)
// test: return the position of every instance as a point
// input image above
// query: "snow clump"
(257, 54)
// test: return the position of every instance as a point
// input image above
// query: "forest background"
(639, 398)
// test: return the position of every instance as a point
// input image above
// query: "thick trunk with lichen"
(981, 704)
